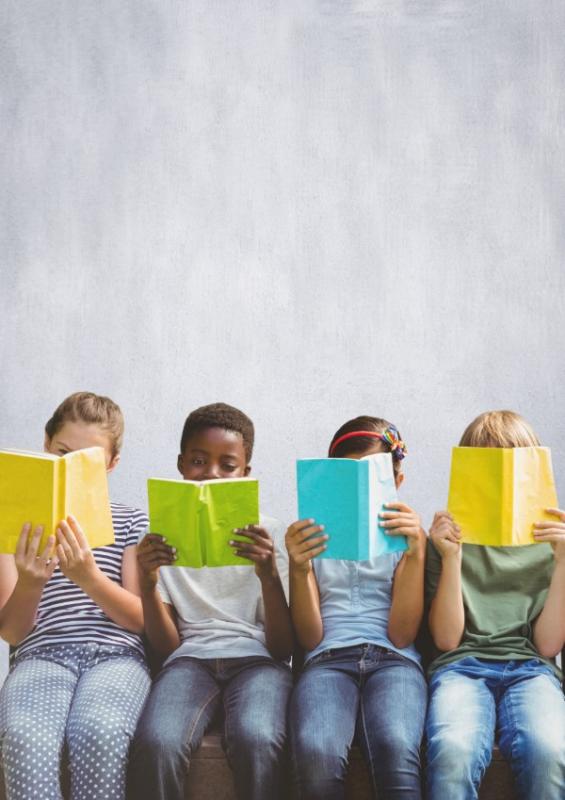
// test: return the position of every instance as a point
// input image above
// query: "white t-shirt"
(220, 611)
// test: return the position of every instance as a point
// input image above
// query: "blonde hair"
(499, 429)
(93, 409)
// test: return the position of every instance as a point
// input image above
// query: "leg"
(34, 703)
(102, 720)
(255, 704)
(323, 711)
(181, 706)
(532, 733)
(460, 732)
(391, 725)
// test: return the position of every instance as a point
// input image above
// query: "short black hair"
(220, 415)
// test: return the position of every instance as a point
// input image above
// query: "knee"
(253, 735)
(544, 752)
(450, 755)
(22, 735)
(315, 756)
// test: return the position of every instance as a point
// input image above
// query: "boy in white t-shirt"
(225, 633)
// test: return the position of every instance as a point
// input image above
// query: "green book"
(198, 518)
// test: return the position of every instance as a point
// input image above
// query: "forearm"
(447, 614)
(17, 617)
(278, 625)
(120, 605)
(407, 606)
(160, 629)
(549, 629)
(305, 608)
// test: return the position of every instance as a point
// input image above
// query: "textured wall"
(308, 209)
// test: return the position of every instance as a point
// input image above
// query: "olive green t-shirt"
(504, 590)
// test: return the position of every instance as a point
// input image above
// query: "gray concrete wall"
(308, 209)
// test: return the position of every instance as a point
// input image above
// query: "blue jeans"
(185, 698)
(80, 699)
(376, 692)
(471, 700)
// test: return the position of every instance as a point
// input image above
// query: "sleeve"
(161, 588)
(138, 528)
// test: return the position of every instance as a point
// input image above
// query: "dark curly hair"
(220, 415)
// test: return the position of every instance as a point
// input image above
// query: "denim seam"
(203, 708)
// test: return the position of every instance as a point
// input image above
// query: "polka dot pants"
(77, 700)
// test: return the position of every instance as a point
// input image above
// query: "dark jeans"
(365, 689)
(185, 698)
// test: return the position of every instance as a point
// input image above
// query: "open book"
(497, 493)
(198, 518)
(346, 495)
(44, 489)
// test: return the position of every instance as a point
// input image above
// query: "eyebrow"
(207, 452)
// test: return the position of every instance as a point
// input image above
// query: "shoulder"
(126, 518)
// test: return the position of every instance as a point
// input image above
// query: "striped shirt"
(66, 614)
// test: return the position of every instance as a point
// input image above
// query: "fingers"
(556, 512)
(33, 544)
(48, 549)
(399, 506)
(68, 540)
(21, 546)
(77, 530)
(297, 527)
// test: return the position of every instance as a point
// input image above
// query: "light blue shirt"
(355, 601)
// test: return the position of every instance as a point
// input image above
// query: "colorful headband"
(390, 436)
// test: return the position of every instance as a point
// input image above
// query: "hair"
(220, 415)
(94, 409)
(360, 444)
(499, 429)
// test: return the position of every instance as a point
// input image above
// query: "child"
(357, 621)
(225, 632)
(497, 613)
(78, 678)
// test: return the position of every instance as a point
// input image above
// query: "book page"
(226, 505)
(173, 513)
(85, 494)
(534, 491)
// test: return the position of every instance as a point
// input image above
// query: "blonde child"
(497, 618)
(73, 617)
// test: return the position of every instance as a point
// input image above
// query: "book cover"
(43, 489)
(346, 495)
(496, 494)
(198, 518)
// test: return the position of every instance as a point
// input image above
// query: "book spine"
(59, 492)
(202, 527)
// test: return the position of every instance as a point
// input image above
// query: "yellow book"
(44, 489)
(496, 494)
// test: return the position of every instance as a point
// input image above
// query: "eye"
(62, 452)
(197, 462)
(229, 467)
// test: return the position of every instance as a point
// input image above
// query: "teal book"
(347, 495)
(198, 518)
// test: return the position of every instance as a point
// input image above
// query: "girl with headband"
(357, 622)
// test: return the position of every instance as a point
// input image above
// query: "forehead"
(78, 435)
(372, 449)
(216, 440)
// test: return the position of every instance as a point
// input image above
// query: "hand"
(152, 553)
(34, 570)
(301, 548)
(446, 535)
(401, 520)
(75, 556)
(552, 531)
(260, 549)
